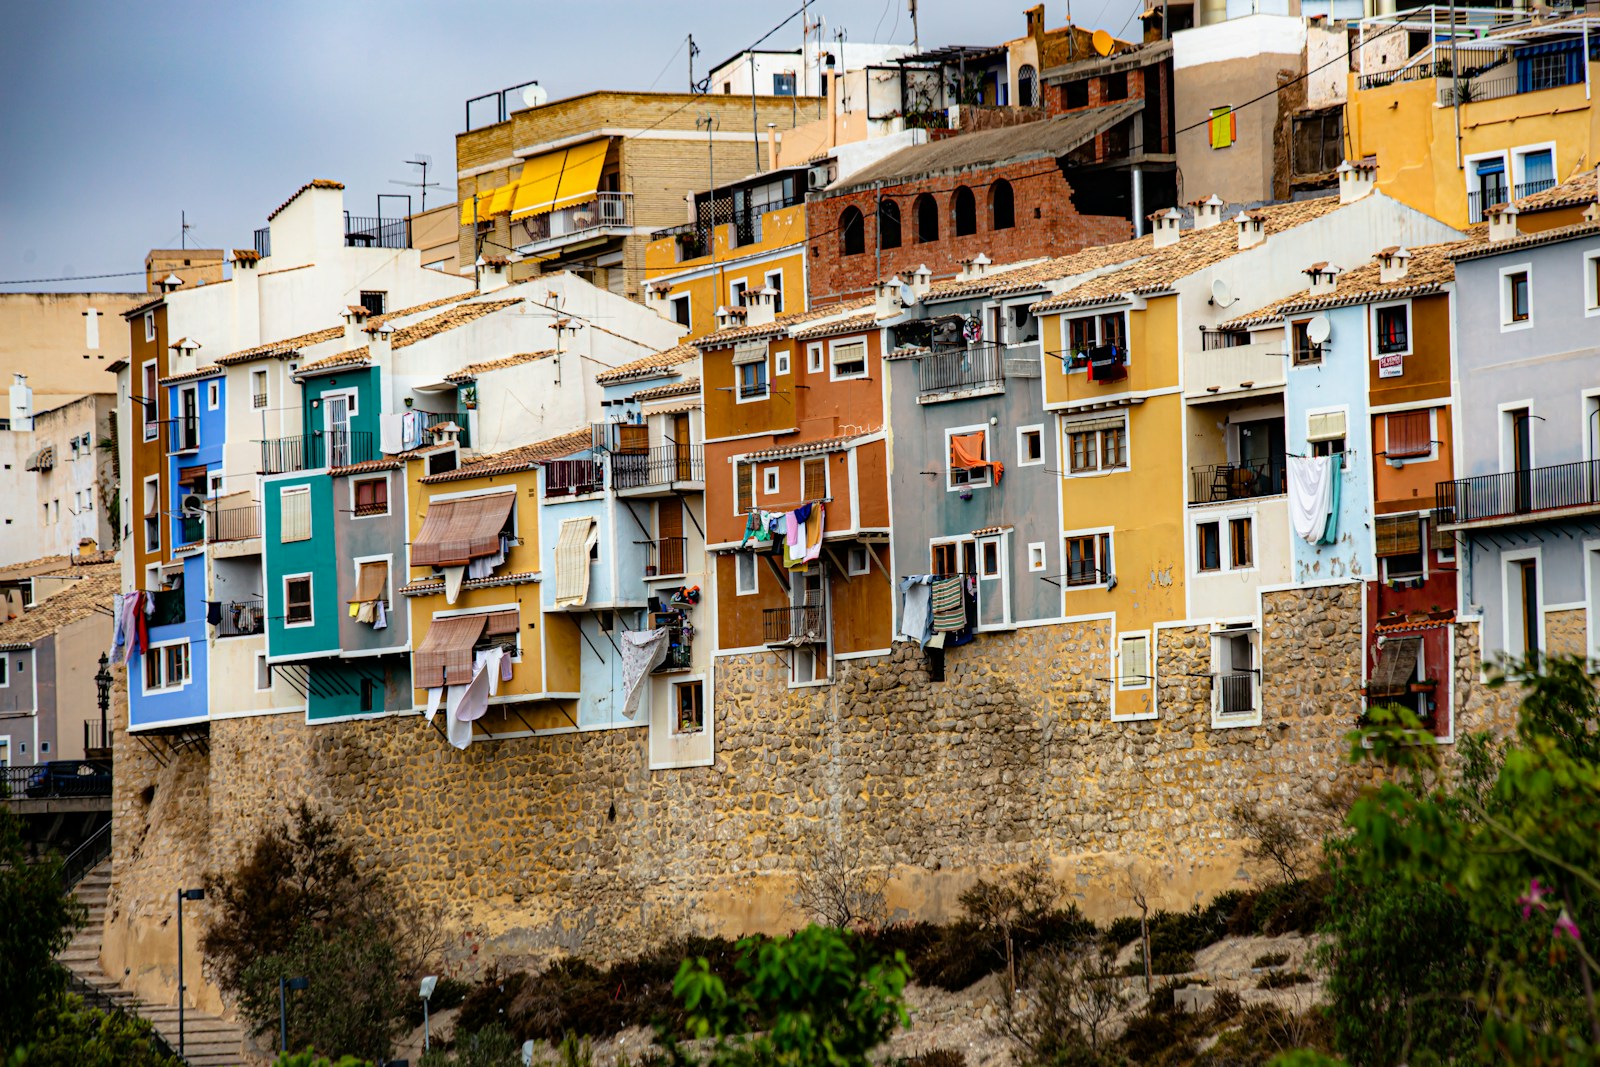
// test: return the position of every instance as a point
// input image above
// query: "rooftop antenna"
(424, 161)
(183, 229)
(694, 50)
(916, 38)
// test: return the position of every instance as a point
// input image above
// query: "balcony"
(430, 419)
(1229, 370)
(1215, 482)
(1526, 495)
(183, 433)
(1508, 78)
(951, 370)
(242, 618)
(658, 471)
(1479, 201)
(667, 556)
(679, 652)
(167, 608)
(606, 214)
(323, 448)
(787, 627)
(572, 477)
(376, 232)
(233, 524)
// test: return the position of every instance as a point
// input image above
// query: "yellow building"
(757, 242)
(1490, 117)
(483, 516)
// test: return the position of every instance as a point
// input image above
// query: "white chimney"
(1252, 230)
(760, 306)
(1392, 264)
(886, 296)
(1208, 212)
(21, 403)
(492, 273)
(1592, 213)
(1503, 222)
(729, 316)
(1356, 179)
(169, 284)
(921, 281)
(1324, 278)
(974, 267)
(657, 299)
(380, 340)
(1165, 225)
(355, 321)
(245, 259)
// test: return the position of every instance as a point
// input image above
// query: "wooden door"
(669, 536)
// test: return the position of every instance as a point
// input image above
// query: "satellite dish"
(908, 295)
(1221, 295)
(1319, 330)
(1103, 42)
(534, 96)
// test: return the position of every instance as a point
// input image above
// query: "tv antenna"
(424, 161)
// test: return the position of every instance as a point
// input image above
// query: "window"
(945, 558)
(294, 506)
(1115, 86)
(753, 381)
(152, 514)
(263, 673)
(1088, 559)
(736, 291)
(442, 462)
(1239, 551)
(1076, 94)
(688, 697)
(852, 232)
(213, 395)
(1490, 175)
(369, 695)
(1021, 326)
(1030, 446)
(744, 489)
(1208, 546)
(372, 496)
(814, 359)
(1027, 86)
(258, 388)
(375, 301)
(1394, 329)
(1097, 445)
(967, 459)
(964, 211)
(297, 600)
(1325, 430)
(152, 413)
(814, 478)
(4, 665)
(1133, 661)
(1408, 434)
(1516, 297)
(856, 560)
(1002, 205)
(1591, 283)
(680, 310)
(1036, 556)
(1524, 613)
(989, 558)
(149, 330)
(769, 481)
(783, 85)
(1233, 662)
(888, 224)
(849, 359)
(1305, 350)
(166, 666)
(780, 362)
(744, 573)
(926, 210)
(774, 279)
(1224, 127)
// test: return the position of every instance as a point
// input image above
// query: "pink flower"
(1565, 927)
(1533, 898)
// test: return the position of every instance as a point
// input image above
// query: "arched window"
(964, 208)
(888, 224)
(1002, 207)
(852, 233)
(927, 219)
(1027, 86)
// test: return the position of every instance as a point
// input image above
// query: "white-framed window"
(376, 301)
(689, 708)
(1224, 543)
(964, 445)
(263, 674)
(149, 325)
(1083, 332)
(744, 487)
(294, 513)
(774, 280)
(351, 398)
(856, 561)
(166, 666)
(5, 671)
(298, 609)
(780, 363)
(1391, 329)
(1516, 297)
(1488, 184)
(1030, 446)
(1020, 325)
(258, 388)
(753, 384)
(1522, 601)
(213, 395)
(1096, 445)
(152, 513)
(1133, 660)
(1326, 431)
(680, 310)
(769, 481)
(1591, 584)
(814, 359)
(1591, 283)
(744, 573)
(849, 359)
(149, 402)
(1534, 168)
(736, 291)
(361, 565)
(369, 497)
(1235, 674)
(1037, 556)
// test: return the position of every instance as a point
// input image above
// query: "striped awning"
(454, 532)
(445, 655)
(1397, 660)
(572, 561)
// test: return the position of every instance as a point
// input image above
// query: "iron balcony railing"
(493, 108)
(233, 524)
(1236, 693)
(1236, 481)
(1528, 76)
(184, 435)
(242, 618)
(1413, 73)
(321, 448)
(264, 242)
(166, 607)
(568, 223)
(794, 625)
(573, 477)
(430, 419)
(1479, 201)
(376, 232)
(1214, 339)
(1523, 492)
(678, 652)
(753, 390)
(667, 555)
(947, 369)
(662, 465)
(57, 778)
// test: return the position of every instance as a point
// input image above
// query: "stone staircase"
(208, 1040)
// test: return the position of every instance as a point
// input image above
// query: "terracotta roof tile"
(521, 458)
(284, 348)
(354, 357)
(436, 585)
(1576, 191)
(650, 366)
(417, 309)
(1037, 273)
(42, 565)
(671, 389)
(246, 255)
(472, 370)
(92, 591)
(154, 301)
(803, 448)
(852, 324)
(388, 464)
(1529, 240)
(189, 376)
(780, 325)
(315, 183)
(459, 315)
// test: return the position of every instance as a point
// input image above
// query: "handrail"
(661, 465)
(94, 850)
(99, 1001)
(1519, 492)
(964, 367)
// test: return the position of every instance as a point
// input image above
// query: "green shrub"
(1283, 979)
(1123, 931)
(1271, 959)
(67, 1034)
(1225, 1006)
(939, 1057)
(1171, 963)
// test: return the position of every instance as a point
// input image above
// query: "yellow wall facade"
(708, 280)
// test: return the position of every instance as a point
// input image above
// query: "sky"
(121, 119)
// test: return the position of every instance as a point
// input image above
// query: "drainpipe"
(1137, 177)
(772, 146)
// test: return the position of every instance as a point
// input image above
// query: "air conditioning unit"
(193, 504)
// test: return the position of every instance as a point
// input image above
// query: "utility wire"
(72, 278)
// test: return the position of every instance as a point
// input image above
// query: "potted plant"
(1424, 685)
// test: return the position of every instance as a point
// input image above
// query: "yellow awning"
(500, 202)
(560, 179)
(483, 201)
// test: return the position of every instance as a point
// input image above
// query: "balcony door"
(1490, 176)
(336, 425)
(669, 536)
(1261, 445)
(680, 447)
(811, 657)
(1521, 427)
(189, 428)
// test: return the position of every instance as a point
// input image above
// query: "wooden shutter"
(814, 478)
(296, 509)
(372, 582)
(1409, 434)
(746, 487)
(633, 438)
(1398, 535)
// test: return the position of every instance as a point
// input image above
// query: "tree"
(40, 918)
(835, 889)
(67, 1034)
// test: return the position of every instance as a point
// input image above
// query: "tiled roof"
(649, 366)
(189, 376)
(42, 565)
(1528, 240)
(670, 389)
(512, 460)
(154, 301)
(472, 370)
(828, 329)
(417, 309)
(1428, 270)
(436, 585)
(360, 311)
(93, 590)
(246, 255)
(366, 465)
(1034, 275)
(803, 448)
(459, 315)
(1194, 250)
(780, 325)
(1576, 191)
(286, 347)
(315, 183)
(354, 357)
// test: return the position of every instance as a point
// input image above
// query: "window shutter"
(814, 478)
(746, 489)
(1398, 535)
(1325, 426)
(296, 508)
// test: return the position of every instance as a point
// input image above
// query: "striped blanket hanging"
(949, 605)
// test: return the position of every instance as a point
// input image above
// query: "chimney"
(1324, 278)
(657, 299)
(1357, 179)
(1208, 212)
(921, 281)
(1392, 264)
(760, 306)
(729, 317)
(831, 83)
(1164, 227)
(87, 546)
(1503, 223)
(772, 146)
(245, 259)
(492, 273)
(355, 321)
(21, 403)
(380, 343)
(974, 267)
(886, 295)
(1591, 213)
(1252, 230)
(169, 283)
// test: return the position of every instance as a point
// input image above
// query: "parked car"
(70, 778)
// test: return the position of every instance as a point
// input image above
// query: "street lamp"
(183, 895)
(427, 991)
(102, 681)
(296, 984)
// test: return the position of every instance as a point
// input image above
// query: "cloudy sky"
(121, 116)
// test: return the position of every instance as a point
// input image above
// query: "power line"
(72, 278)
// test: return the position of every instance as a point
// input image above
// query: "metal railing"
(167, 607)
(1214, 339)
(678, 652)
(794, 625)
(99, 1001)
(661, 465)
(1524, 77)
(1236, 693)
(500, 106)
(264, 242)
(322, 448)
(258, 400)
(948, 369)
(430, 419)
(1415, 72)
(376, 232)
(57, 779)
(185, 433)
(753, 390)
(1235, 481)
(95, 850)
(1523, 492)
(572, 477)
(233, 524)
(96, 735)
(1479, 201)
(242, 618)
(605, 210)
(668, 555)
